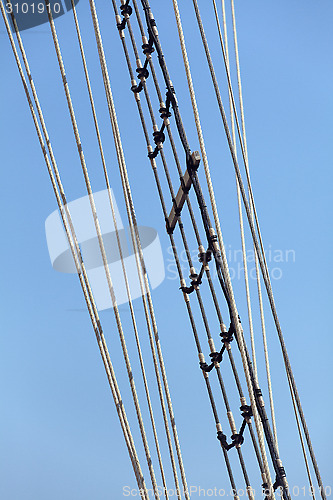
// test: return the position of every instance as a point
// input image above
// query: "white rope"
(144, 376)
(103, 253)
(258, 278)
(221, 248)
(61, 201)
(140, 263)
(264, 270)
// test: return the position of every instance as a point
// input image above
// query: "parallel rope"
(144, 376)
(134, 229)
(64, 213)
(179, 268)
(222, 249)
(262, 318)
(291, 382)
(103, 253)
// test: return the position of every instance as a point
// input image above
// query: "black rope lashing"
(238, 438)
(196, 280)
(205, 257)
(216, 357)
(126, 10)
(227, 337)
(143, 73)
(278, 479)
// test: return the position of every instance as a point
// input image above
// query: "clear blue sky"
(60, 437)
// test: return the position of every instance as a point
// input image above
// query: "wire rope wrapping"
(215, 244)
(146, 135)
(264, 270)
(252, 206)
(144, 376)
(177, 162)
(225, 51)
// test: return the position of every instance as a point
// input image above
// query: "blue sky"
(60, 436)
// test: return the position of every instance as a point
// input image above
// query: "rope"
(134, 228)
(103, 253)
(175, 252)
(262, 318)
(166, 121)
(220, 239)
(151, 414)
(246, 277)
(291, 379)
(61, 201)
(154, 124)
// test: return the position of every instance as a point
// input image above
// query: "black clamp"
(126, 10)
(164, 111)
(246, 411)
(148, 47)
(193, 161)
(159, 136)
(205, 257)
(216, 357)
(257, 392)
(237, 439)
(142, 73)
(265, 491)
(227, 337)
(195, 282)
(278, 482)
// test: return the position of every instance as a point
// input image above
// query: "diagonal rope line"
(131, 73)
(144, 376)
(221, 247)
(178, 266)
(103, 253)
(201, 248)
(246, 277)
(225, 51)
(61, 201)
(292, 388)
(187, 251)
(129, 204)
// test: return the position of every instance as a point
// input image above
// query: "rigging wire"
(64, 213)
(128, 197)
(103, 254)
(279, 466)
(253, 209)
(269, 383)
(201, 248)
(180, 224)
(221, 248)
(264, 270)
(259, 250)
(222, 270)
(144, 376)
(144, 127)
